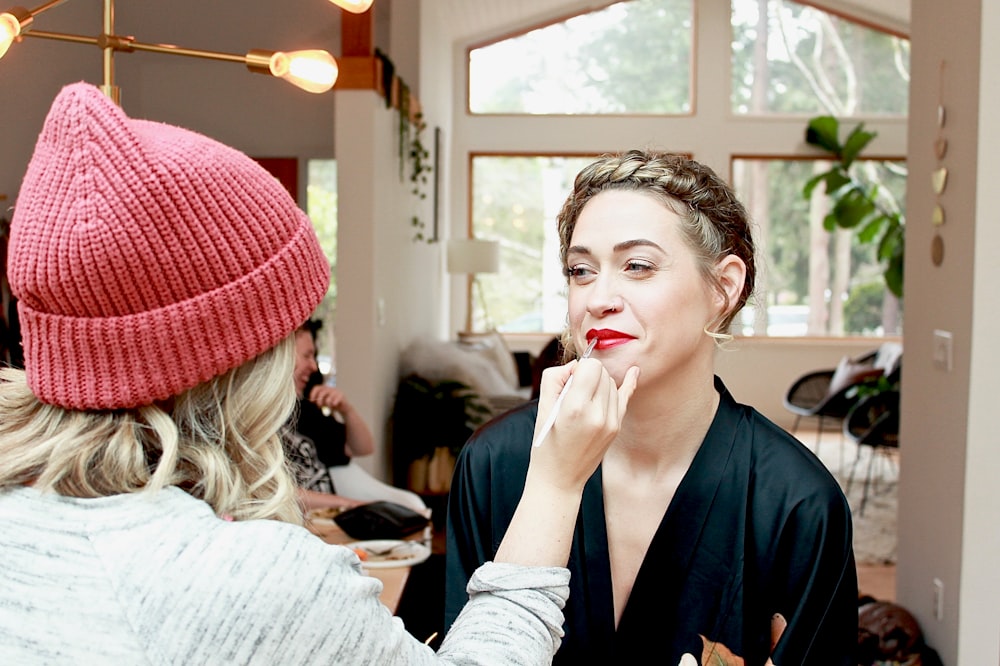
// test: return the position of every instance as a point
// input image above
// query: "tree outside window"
(595, 63)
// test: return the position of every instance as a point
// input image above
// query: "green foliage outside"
(863, 309)
(632, 57)
(791, 58)
(513, 199)
(516, 219)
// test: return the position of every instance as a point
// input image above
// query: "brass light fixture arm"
(256, 60)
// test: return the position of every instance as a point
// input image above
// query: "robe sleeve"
(816, 581)
(485, 490)
(467, 532)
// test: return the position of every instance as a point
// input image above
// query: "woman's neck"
(665, 425)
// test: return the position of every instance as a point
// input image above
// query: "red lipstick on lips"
(608, 338)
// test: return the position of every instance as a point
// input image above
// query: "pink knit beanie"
(147, 259)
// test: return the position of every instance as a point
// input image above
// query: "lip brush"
(547, 426)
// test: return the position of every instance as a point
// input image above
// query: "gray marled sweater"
(159, 579)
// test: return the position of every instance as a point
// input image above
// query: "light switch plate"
(941, 350)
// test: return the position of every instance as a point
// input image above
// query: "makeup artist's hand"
(588, 420)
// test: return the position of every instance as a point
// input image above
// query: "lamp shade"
(473, 255)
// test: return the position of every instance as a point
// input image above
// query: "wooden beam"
(362, 69)
(360, 73)
(356, 32)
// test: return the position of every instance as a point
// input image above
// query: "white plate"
(400, 553)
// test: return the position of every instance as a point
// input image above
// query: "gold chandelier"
(313, 70)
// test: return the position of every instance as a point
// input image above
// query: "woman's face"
(305, 360)
(635, 285)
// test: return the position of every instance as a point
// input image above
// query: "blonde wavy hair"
(714, 223)
(219, 441)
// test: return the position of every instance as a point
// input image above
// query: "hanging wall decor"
(939, 177)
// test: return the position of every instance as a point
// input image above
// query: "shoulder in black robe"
(758, 526)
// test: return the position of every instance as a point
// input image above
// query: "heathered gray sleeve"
(169, 583)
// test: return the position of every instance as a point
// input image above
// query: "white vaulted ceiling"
(473, 20)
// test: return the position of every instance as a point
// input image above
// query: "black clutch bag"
(380, 520)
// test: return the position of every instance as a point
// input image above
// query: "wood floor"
(877, 581)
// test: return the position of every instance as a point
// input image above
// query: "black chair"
(873, 422)
(827, 394)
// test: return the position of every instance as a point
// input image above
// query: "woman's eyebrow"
(638, 242)
(619, 247)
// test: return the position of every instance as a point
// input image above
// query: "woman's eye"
(579, 272)
(638, 267)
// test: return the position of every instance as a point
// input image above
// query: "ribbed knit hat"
(147, 259)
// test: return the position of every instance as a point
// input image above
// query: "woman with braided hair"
(706, 526)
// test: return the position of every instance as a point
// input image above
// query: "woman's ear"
(732, 274)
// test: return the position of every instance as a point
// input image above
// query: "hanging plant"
(412, 150)
(420, 168)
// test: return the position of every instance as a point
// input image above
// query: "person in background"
(147, 511)
(315, 439)
(705, 523)
(319, 406)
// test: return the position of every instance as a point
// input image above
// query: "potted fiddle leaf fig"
(856, 202)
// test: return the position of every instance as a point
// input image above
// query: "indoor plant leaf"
(822, 131)
(855, 143)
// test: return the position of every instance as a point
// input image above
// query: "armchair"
(873, 422)
(827, 394)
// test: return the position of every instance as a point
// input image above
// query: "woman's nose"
(605, 299)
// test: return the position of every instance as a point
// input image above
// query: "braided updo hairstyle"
(713, 221)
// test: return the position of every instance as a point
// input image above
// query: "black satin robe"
(758, 526)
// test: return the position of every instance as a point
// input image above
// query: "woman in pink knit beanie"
(160, 277)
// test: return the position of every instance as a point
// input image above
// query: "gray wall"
(262, 116)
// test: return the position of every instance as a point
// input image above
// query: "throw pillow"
(493, 347)
(849, 373)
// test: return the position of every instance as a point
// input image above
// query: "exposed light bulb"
(354, 6)
(313, 70)
(10, 28)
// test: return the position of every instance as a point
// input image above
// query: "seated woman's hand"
(328, 397)
(588, 420)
